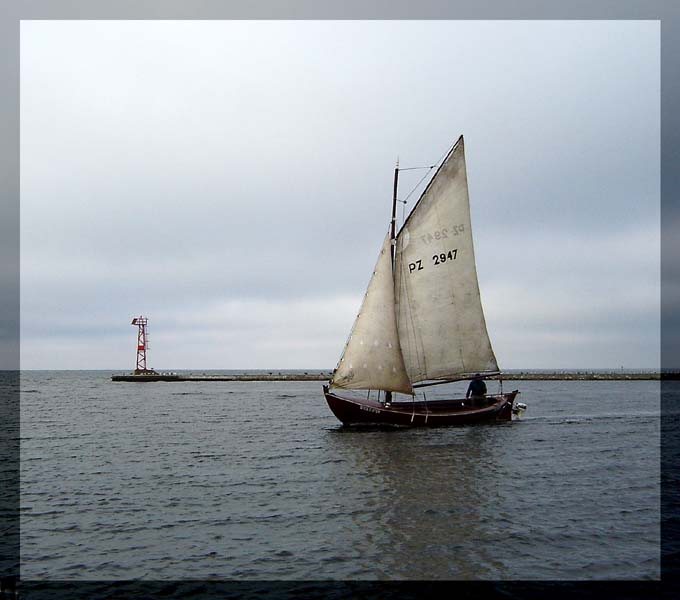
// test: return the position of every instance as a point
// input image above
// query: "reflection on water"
(423, 498)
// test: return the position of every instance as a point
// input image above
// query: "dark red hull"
(420, 414)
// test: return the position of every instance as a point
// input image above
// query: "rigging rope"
(435, 165)
(405, 200)
(416, 168)
(417, 184)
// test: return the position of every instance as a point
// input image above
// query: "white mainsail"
(372, 358)
(442, 331)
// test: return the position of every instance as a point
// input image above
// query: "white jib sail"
(372, 358)
(441, 324)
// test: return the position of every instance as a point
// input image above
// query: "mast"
(393, 243)
(393, 246)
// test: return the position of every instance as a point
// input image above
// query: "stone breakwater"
(587, 376)
(325, 376)
(236, 377)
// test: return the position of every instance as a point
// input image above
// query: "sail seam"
(417, 351)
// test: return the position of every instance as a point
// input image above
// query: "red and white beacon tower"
(142, 345)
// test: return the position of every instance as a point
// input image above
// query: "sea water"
(258, 480)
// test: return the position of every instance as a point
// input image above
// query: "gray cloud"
(221, 175)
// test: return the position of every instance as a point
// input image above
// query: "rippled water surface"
(257, 480)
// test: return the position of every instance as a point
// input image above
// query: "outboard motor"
(518, 408)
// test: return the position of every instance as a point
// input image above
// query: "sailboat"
(421, 322)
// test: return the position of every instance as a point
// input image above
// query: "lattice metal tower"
(142, 344)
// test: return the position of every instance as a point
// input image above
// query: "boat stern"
(511, 408)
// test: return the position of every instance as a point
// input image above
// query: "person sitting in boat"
(388, 398)
(477, 390)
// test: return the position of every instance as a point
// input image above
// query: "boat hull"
(434, 413)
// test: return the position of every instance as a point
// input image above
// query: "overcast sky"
(232, 181)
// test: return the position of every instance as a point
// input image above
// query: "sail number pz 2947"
(437, 259)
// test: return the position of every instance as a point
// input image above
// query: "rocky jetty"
(325, 376)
